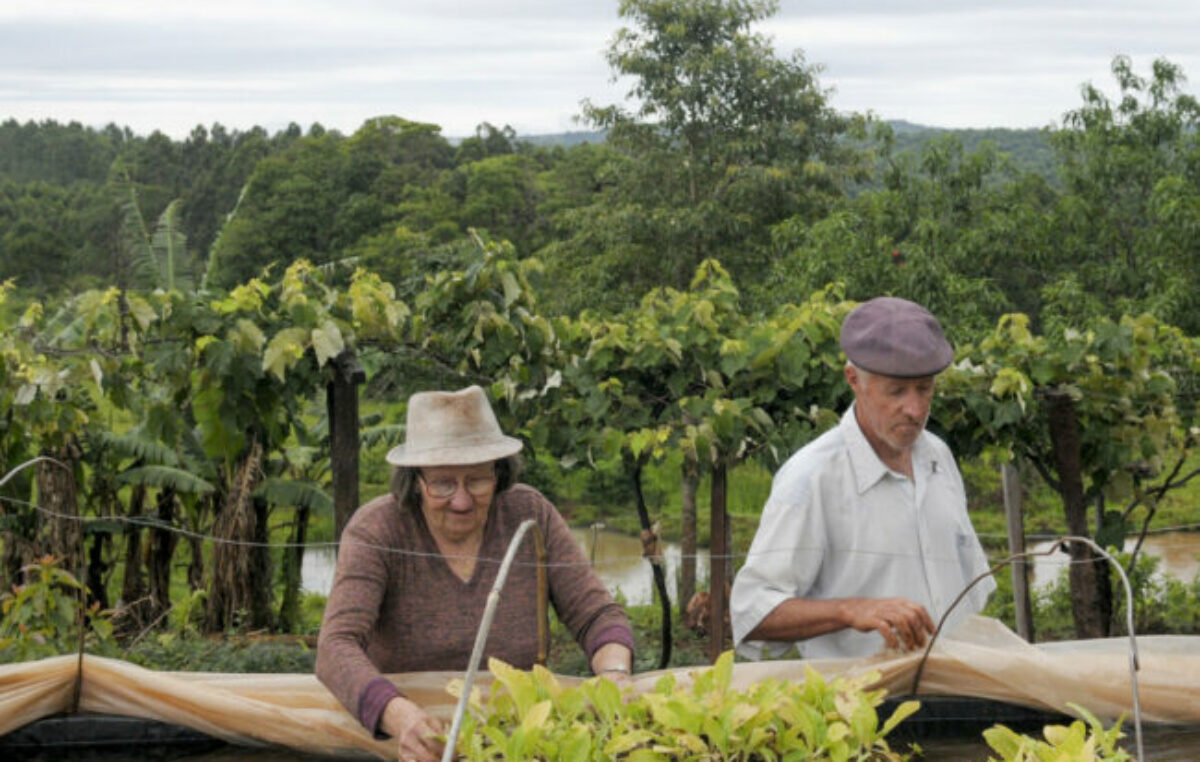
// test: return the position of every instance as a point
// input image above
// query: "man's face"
(892, 411)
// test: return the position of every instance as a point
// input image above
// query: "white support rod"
(1133, 654)
(489, 613)
(28, 463)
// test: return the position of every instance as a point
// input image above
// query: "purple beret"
(895, 337)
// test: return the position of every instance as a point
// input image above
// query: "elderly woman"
(415, 568)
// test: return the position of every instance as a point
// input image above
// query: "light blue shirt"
(840, 524)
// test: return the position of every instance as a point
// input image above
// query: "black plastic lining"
(964, 716)
(104, 733)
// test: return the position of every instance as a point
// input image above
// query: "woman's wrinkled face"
(455, 499)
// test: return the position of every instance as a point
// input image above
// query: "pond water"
(616, 557)
(1178, 551)
(618, 560)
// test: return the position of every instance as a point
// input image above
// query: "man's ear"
(851, 376)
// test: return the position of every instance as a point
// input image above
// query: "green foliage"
(42, 617)
(1120, 377)
(725, 194)
(207, 655)
(530, 715)
(1084, 740)
(1028, 149)
(1120, 160)
(165, 477)
(294, 493)
(940, 232)
(725, 140)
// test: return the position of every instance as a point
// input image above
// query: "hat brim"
(456, 455)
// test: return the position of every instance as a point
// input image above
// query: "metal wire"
(152, 523)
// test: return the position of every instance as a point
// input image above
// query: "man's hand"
(414, 729)
(902, 623)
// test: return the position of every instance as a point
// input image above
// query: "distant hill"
(1029, 149)
(564, 139)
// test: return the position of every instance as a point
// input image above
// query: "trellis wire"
(152, 523)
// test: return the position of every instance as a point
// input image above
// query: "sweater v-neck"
(444, 559)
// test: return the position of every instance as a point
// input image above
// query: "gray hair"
(863, 373)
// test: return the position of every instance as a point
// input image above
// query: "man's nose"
(916, 406)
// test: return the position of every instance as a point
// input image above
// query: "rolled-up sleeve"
(782, 563)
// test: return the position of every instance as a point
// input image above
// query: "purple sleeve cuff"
(614, 633)
(371, 703)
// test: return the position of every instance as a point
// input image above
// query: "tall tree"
(1126, 231)
(725, 139)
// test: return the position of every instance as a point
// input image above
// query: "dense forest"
(1092, 217)
(67, 188)
(671, 281)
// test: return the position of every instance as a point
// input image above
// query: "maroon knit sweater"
(396, 606)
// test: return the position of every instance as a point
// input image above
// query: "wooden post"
(341, 399)
(1011, 480)
(718, 604)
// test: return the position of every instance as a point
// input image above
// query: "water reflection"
(616, 557)
(618, 560)
(1179, 551)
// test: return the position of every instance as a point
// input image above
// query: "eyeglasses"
(446, 486)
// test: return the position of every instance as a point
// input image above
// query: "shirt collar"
(868, 468)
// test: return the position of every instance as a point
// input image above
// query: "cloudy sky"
(172, 64)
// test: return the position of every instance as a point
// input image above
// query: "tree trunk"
(97, 592)
(341, 401)
(19, 543)
(718, 602)
(135, 605)
(1087, 601)
(260, 568)
(650, 551)
(58, 497)
(687, 551)
(162, 550)
(293, 563)
(195, 572)
(232, 575)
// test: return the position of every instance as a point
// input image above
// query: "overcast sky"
(170, 65)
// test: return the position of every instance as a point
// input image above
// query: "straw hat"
(451, 429)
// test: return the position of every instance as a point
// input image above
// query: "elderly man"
(865, 538)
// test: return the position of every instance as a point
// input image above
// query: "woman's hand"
(414, 729)
(614, 662)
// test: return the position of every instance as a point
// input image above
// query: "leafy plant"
(1077, 742)
(530, 715)
(41, 618)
